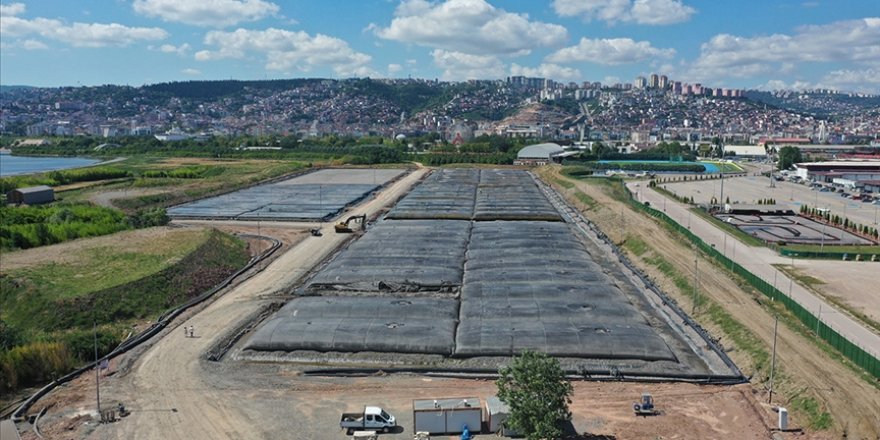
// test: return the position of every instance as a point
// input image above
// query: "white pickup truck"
(372, 418)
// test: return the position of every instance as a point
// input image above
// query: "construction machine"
(345, 227)
(646, 406)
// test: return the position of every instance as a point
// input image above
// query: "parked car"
(372, 418)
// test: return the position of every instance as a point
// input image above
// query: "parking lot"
(750, 189)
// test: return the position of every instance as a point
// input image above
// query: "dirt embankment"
(806, 371)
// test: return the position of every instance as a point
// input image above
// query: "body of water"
(16, 165)
(710, 167)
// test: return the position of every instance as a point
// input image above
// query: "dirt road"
(170, 374)
(807, 370)
(173, 393)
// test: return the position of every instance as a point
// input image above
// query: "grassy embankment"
(50, 298)
(710, 312)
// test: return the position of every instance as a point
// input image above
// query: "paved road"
(759, 260)
(167, 387)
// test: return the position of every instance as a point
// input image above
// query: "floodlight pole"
(773, 359)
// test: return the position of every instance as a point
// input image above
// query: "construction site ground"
(172, 391)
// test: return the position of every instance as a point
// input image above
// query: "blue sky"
(744, 43)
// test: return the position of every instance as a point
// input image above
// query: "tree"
(535, 389)
(788, 156)
(600, 150)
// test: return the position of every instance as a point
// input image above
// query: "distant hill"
(817, 104)
(12, 88)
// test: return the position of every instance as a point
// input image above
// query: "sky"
(753, 44)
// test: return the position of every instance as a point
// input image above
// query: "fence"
(867, 256)
(850, 350)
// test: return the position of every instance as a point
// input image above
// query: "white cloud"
(463, 66)
(469, 26)
(651, 12)
(609, 51)
(24, 44)
(394, 68)
(728, 55)
(33, 45)
(181, 50)
(553, 71)
(287, 51)
(611, 80)
(208, 13)
(864, 80)
(191, 72)
(660, 12)
(12, 9)
(778, 84)
(79, 34)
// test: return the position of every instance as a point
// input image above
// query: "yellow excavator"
(345, 227)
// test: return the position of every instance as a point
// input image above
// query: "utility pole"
(773, 359)
(97, 370)
(696, 279)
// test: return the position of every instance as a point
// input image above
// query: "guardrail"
(159, 325)
(851, 351)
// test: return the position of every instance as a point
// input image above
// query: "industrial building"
(35, 195)
(539, 154)
(750, 151)
(847, 174)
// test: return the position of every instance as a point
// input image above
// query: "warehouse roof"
(33, 189)
(540, 151)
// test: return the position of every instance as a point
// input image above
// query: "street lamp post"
(696, 279)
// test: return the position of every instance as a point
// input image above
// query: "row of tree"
(841, 222)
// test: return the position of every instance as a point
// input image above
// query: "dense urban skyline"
(747, 44)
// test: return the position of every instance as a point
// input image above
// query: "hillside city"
(638, 114)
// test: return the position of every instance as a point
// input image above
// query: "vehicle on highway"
(372, 418)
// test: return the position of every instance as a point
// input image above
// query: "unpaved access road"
(171, 374)
(174, 393)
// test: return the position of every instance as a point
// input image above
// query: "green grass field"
(51, 297)
(725, 167)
